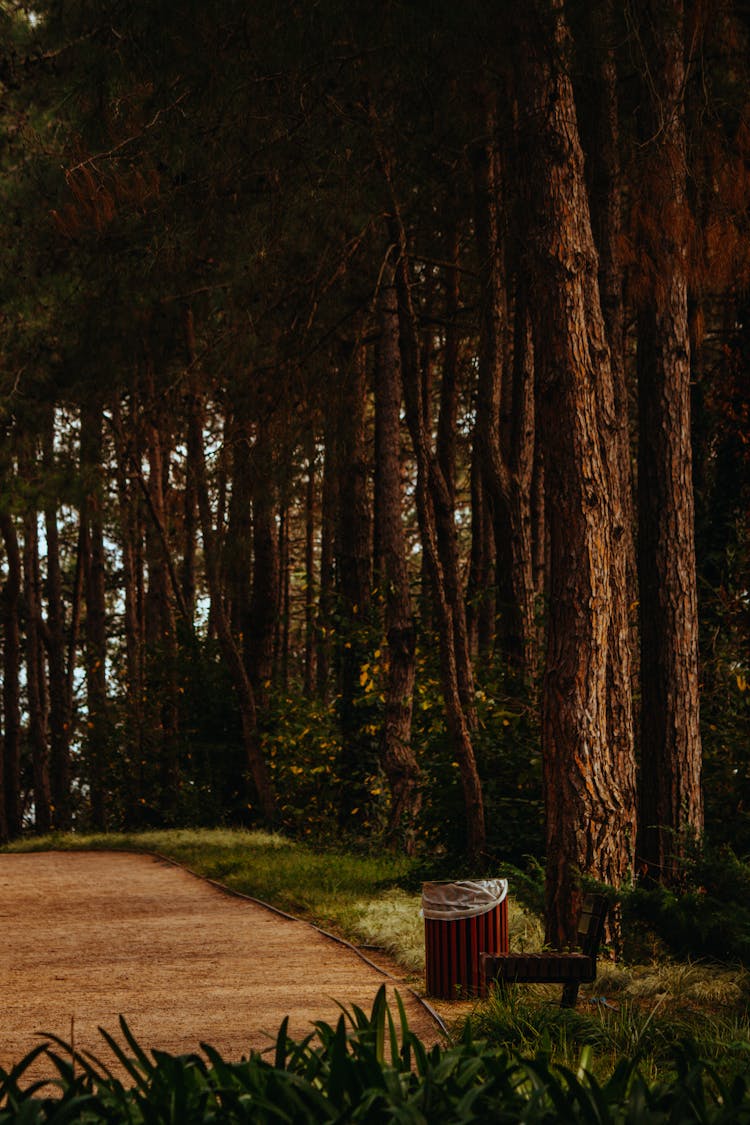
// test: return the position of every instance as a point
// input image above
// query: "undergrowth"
(640, 1008)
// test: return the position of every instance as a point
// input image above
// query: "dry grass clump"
(392, 922)
(525, 929)
(690, 981)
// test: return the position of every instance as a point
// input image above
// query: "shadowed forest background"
(374, 425)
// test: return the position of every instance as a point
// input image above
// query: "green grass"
(642, 1013)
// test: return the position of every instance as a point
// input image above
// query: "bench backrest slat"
(591, 923)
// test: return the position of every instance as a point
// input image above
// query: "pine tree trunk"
(328, 524)
(397, 757)
(480, 584)
(506, 457)
(237, 556)
(359, 757)
(448, 413)
(309, 668)
(161, 631)
(92, 532)
(265, 604)
(11, 607)
(189, 530)
(605, 192)
(589, 770)
(671, 805)
(283, 619)
(36, 691)
(59, 713)
(131, 536)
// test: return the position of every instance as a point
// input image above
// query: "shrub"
(363, 1069)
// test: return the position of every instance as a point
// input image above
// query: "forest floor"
(90, 936)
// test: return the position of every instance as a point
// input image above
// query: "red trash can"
(462, 920)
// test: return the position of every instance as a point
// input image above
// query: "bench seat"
(549, 968)
(567, 969)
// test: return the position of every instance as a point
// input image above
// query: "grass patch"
(642, 1013)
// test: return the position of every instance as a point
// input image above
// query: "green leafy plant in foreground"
(363, 1069)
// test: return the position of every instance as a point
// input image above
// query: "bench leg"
(569, 994)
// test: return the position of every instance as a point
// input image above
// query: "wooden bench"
(567, 969)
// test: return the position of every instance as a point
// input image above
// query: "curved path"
(89, 935)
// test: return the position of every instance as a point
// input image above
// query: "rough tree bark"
(237, 555)
(328, 524)
(671, 806)
(480, 583)
(603, 165)
(589, 768)
(447, 427)
(282, 626)
(189, 531)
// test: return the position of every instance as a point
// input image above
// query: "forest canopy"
(374, 425)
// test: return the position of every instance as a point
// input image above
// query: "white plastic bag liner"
(449, 902)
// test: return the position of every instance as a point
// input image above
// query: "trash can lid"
(449, 902)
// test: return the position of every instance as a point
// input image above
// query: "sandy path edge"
(91, 935)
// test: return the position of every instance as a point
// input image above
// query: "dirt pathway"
(87, 936)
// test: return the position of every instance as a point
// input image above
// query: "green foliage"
(709, 917)
(507, 747)
(365, 1068)
(301, 742)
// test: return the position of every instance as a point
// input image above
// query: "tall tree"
(399, 762)
(131, 545)
(36, 678)
(59, 698)
(358, 750)
(265, 602)
(160, 623)
(328, 522)
(11, 599)
(94, 561)
(309, 664)
(507, 458)
(671, 803)
(587, 743)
